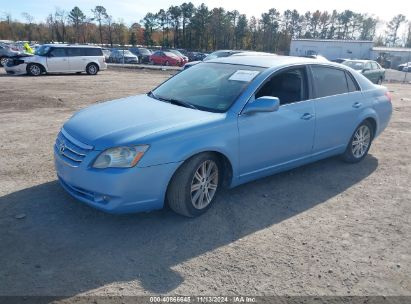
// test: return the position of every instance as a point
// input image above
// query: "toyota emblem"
(62, 147)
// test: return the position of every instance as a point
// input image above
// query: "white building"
(332, 49)
(395, 56)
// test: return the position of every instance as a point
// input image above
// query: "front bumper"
(20, 69)
(115, 190)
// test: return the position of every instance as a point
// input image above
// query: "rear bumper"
(116, 190)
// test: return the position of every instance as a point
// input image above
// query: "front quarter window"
(208, 86)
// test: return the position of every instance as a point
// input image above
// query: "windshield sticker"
(243, 75)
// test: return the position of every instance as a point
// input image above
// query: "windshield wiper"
(172, 100)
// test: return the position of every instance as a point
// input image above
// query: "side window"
(289, 86)
(93, 52)
(352, 87)
(75, 52)
(329, 81)
(367, 66)
(58, 52)
(374, 66)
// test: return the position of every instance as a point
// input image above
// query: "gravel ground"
(328, 228)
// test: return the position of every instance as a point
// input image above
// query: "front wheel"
(194, 186)
(92, 69)
(3, 61)
(359, 144)
(34, 69)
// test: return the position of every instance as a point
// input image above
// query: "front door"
(269, 140)
(57, 60)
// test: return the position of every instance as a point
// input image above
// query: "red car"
(165, 58)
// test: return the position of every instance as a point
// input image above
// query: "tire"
(34, 69)
(379, 81)
(181, 197)
(359, 144)
(92, 69)
(3, 61)
(167, 63)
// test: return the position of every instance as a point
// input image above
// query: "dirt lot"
(328, 228)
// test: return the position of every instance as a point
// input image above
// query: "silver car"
(58, 58)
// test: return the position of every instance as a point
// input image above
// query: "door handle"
(357, 105)
(307, 116)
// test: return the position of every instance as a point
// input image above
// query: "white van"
(59, 58)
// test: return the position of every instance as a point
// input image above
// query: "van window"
(93, 52)
(289, 86)
(58, 52)
(329, 81)
(75, 52)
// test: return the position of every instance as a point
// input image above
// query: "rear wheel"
(34, 69)
(92, 69)
(194, 186)
(359, 144)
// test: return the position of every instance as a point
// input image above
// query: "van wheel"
(92, 69)
(195, 184)
(359, 144)
(34, 69)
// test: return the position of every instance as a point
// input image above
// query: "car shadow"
(62, 247)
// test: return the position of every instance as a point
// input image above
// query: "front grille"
(72, 153)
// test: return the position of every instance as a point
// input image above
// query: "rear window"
(329, 81)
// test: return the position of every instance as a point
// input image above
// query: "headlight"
(120, 157)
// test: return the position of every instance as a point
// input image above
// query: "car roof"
(269, 60)
(71, 45)
(359, 60)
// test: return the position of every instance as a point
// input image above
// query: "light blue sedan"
(219, 124)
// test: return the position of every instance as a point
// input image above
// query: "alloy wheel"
(35, 70)
(204, 184)
(361, 141)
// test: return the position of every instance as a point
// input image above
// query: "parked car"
(369, 68)
(123, 56)
(106, 53)
(6, 52)
(165, 58)
(213, 55)
(142, 54)
(184, 58)
(59, 58)
(404, 67)
(219, 124)
(196, 56)
(339, 60)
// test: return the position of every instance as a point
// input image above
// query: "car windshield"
(356, 65)
(176, 53)
(126, 53)
(208, 86)
(216, 55)
(145, 51)
(42, 51)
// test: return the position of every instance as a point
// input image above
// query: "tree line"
(202, 28)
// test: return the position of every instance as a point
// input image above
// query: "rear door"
(77, 59)
(57, 60)
(338, 104)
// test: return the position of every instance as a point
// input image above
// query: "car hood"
(130, 120)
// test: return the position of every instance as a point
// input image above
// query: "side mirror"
(262, 104)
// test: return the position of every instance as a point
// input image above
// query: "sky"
(131, 11)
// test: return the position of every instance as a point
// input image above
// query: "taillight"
(388, 95)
